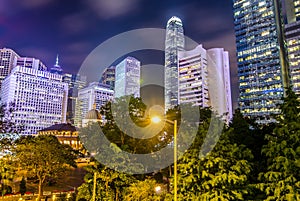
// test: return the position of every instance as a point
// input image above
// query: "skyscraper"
(127, 80)
(29, 62)
(292, 34)
(96, 93)
(193, 83)
(219, 82)
(75, 83)
(174, 43)
(39, 97)
(204, 79)
(108, 77)
(56, 67)
(8, 59)
(262, 57)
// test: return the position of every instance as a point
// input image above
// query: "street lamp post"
(156, 120)
(175, 160)
(94, 186)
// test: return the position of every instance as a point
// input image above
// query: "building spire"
(56, 64)
(56, 67)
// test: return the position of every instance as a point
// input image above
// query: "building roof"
(60, 127)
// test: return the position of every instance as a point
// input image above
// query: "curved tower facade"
(174, 43)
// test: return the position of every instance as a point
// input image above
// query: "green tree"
(43, 157)
(110, 184)
(220, 174)
(281, 180)
(122, 117)
(146, 190)
(8, 133)
(244, 131)
(7, 172)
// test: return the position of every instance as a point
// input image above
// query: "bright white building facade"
(219, 85)
(30, 62)
(127, 80)
(39, 98)
(204, 79)
(95, 93)
(192, 71)
(8, 58)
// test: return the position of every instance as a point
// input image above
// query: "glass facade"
(108, 77)
(127, 80)
(292, 34)
(174, 43)
(262, 60)
(75, 83)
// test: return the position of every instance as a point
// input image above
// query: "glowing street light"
(157, 119)
(157, 189)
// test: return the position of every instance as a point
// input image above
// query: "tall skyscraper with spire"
(56, 68)
(174, 43)
(262, 58)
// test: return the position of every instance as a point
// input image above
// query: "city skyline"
(74, 30)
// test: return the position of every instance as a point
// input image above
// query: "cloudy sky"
(73, 28)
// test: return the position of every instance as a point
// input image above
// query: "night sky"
(73, 28)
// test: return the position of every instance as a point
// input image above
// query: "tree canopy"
(43, 157)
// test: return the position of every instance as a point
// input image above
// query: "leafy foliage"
(43, 157)
(8, 133)
(144, 190)
(281, 180)
(110, 184)
(221, 174)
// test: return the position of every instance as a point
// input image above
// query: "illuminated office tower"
(56, 68)
(193, 78)
(292, 34)
(75, 83)
(174, 43)
(96, 93)
(8, 58)
(204, 79)
(29, 62)
(108, 77)
(262, 58)
(127, 80)
(39, 98)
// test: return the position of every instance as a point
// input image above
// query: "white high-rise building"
(192, 71)
(127, 80)
(8, 59)
(29, 62)
(39, 98)
(95, 93)
(219, 82)
(204, 79)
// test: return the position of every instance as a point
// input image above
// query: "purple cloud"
(106, 9)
